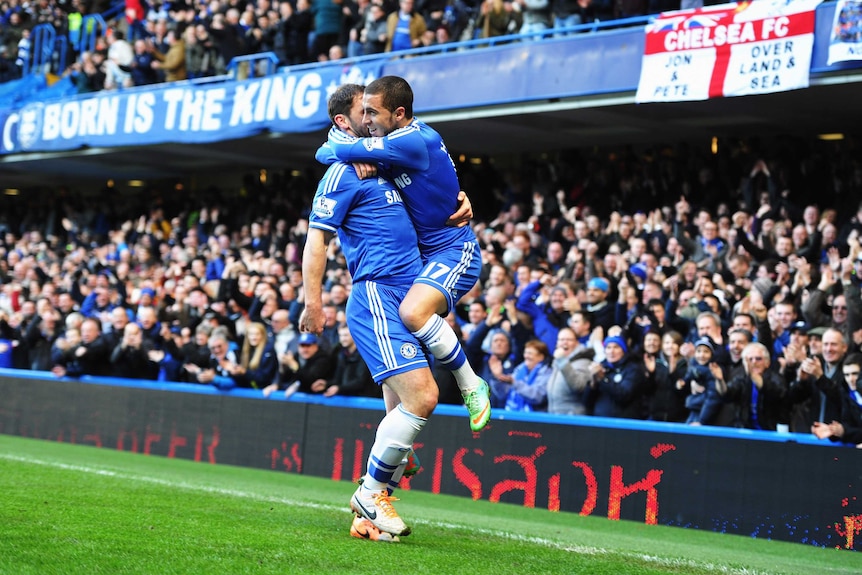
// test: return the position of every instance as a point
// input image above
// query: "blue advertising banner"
(182, 112)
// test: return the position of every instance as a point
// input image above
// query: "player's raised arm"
(403, 147)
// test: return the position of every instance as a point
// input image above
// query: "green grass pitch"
(69, 509)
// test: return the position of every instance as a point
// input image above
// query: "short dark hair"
(342, 99)
(745, 333)
(396, 93)
(587, 316)
(853, 359)
(745, 314)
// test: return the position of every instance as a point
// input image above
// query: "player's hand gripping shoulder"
(365, 170)
(463, 214)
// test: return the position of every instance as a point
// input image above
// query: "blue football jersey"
(416, 160)
(377, 237)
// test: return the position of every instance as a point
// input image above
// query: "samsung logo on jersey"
(403, 181)
(324, 207)
(373, 143)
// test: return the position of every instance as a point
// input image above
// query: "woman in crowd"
(665, 401)
(257, 366)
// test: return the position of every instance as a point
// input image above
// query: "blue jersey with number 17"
(377, 238)
(417, 161)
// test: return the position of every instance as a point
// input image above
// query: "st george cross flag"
(737, 49)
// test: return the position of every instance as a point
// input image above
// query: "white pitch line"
(580, 549)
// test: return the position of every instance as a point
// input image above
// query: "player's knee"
(426, 400)
(429, 404)
(411, 315)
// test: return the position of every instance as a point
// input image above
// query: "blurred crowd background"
(665, 283)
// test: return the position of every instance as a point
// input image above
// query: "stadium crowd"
(159, 41)
(661, 284)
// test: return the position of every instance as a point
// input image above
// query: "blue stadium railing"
(49, 53)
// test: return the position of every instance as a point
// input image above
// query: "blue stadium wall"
(760, 484)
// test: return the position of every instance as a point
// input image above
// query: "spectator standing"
(568, 386)
(143, 73)
(172, 62)
(851, 228)
(22, 60)
(705, 382)
(285, 38)
(374, 35)
(118, 66)
(119, 320)
(568, 13)
(404, 28)
(737, 339)
(758, 395)
(844, 313)
(131, 357)
(355, 15)
(153, 329)
(815, 394)
(327, 27)
(476, 314)
(536, 16)
(665, 401)
(258, 366)
(618, 383)
(89, 357)
(304, 371)
(229, 37)
(352, 377)
(497, 18)
(529, 388)
(221, 356)
(498, 367)
(545, 304)
(39, 338)
(194, 355)
(581, 322)
(195, 54)
(597, 303)
(261, 37)
(284, 336)
(12, 33)
(302, 25)
(848, 428)
(64, 345)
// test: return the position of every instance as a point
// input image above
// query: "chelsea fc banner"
(738, 49)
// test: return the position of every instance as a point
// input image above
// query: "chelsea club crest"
(30, 126)
(408, 351)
